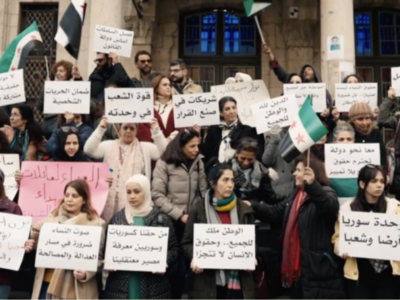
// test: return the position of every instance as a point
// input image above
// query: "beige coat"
(190, 88)
(84, 289)
(174, 188)
(350, 266)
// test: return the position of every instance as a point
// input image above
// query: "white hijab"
(230, 80)
(147, 205)
(244, 76)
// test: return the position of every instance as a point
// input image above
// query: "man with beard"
(144, 64)
(108, 70)
(180, 83)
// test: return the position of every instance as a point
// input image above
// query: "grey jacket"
(272, 159)
(176, 189)
(386, 116)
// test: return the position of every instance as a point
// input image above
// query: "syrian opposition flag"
(345, 188)
(70, 29)
(304, 132)
(14, 57)
(252, 7)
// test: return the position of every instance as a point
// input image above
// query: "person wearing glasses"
(179, 181)
(79, 122)
(181, 84)
(108, 70)
(308, 268)
(25, 136)
(126, 156)
(144, 64)
(369, 278)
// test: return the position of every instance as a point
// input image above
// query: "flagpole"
(259, 29)
(308, 157)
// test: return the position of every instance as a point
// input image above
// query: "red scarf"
(290, 266)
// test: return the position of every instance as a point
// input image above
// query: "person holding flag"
(308, 268)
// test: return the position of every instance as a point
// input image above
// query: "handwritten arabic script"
(128, 105)
(9, 163)
(14, 232)
(195, 109)
(278, 111)
(226, 247)
(42, 185)
(316, 90)
(246, 94)
(108, 39)
(69, 247)
(346, 160)
(132, 248)
(369, 235)
(12, 88)
(71, 96)
(348, 94)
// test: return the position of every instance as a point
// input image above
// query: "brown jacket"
(84, 289)
(175, 189)
(190, 88)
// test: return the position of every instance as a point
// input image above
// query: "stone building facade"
(296, 30)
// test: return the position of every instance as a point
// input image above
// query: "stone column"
(100, 12)
(337, 18)
(143, 31)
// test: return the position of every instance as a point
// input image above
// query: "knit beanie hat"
(359, 110)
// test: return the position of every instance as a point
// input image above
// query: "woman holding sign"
(221, 141)
(361, 117)
(75, 209)
(369, 278)
(220, 206)
(139, 211)
(126, 156)
(308, 266)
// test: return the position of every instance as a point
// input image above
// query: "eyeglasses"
(145, 61)
(69, 129)
(99, 60)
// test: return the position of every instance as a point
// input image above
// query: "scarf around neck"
(256, 173)
(290, 266)
(224, 205)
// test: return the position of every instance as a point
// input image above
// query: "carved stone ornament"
(141, 27)
(298, 33)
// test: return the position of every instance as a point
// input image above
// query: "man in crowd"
(180, 82)
(144, 64)
(108, 70)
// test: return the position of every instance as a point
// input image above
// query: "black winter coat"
(321, 274)
(116, 75)
(204, 284)
(210, 147)
(153, 286)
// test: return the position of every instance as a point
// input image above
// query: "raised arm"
(94, 147)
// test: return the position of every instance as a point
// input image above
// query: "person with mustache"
(181, 84)
(108, 70)
(144, 64)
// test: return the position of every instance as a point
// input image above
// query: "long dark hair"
(317, 166)
(82, 188)
(4, 144)
(2, 190)
(366, 174)
(35, 132)
(173, 154)
(359, 78)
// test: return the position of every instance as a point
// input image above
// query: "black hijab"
(61, 155)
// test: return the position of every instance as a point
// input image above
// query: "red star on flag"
(293, 125)
(33, 36)
(19, 50)
(300, 139)
(84, 7)
(12, 69)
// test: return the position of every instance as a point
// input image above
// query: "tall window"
(217, 44)
(377, 40)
